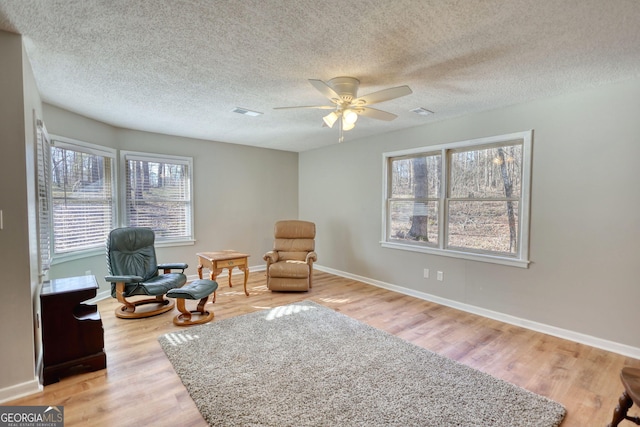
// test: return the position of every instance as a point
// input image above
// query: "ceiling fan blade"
(318, 107)
(383, 95)
(375, 114)
(326, 90)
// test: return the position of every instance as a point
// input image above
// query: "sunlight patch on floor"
(175, 339)
(336, 300)
(286, 311)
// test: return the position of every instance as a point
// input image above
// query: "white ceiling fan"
(343, 94)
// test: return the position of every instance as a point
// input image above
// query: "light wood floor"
(139, 386)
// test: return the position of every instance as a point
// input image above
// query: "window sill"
(512, 262)
(169, 243)
(88, 253)
(72, 256)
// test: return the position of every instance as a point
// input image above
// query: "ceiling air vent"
(421, 111)
(245, 112)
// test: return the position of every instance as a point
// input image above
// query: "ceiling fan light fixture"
(346, 125)
(330, 119)
(350, 116)
(347, 106)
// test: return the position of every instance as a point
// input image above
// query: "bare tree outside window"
(414, 198)
(82, 198)
(483, 200)
(473, 206)
(158, 196)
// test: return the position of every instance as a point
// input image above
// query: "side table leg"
(213, 273)
(200, 270)
(246, 276)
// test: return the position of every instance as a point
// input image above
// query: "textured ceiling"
(180, 67)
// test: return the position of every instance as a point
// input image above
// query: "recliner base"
(129, 311)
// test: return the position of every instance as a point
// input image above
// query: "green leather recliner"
(134, 271)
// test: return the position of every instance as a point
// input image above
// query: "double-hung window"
(82, 195)
(467, 199)
(157, 194)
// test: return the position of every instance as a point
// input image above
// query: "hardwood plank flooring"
(139, 386)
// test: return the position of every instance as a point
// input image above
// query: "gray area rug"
(306, 365)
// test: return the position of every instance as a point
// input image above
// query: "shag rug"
(306, 365)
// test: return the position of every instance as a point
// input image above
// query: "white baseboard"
(17, 391)
(578, 337)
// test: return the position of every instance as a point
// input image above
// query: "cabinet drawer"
(232, 263)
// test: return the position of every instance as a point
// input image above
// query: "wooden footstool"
(198, 289)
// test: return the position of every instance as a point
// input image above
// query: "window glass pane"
(484, 226)
(158, 196)
(414, 221)
(416, 177)
(82, 198)
(493, 172)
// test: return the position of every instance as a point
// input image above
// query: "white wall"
(239, 191)
(18, 261)
(585, 226)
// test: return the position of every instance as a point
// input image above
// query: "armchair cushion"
(292, 269)
(292, 256)
(158, 285)
(131, 252)
(294, 245)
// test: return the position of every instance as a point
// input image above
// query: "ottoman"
(196, 290)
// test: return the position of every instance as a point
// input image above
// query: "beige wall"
(585, 216)
(18, 261)
(239, 191)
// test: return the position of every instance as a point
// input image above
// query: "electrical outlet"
(440, 276)
(426, 273)
(87, 273)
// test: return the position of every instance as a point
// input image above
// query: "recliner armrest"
(123, 279)
(271, 257)
(173, 266)
(311, 257)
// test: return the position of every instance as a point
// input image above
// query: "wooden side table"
(72, 334)
(218, 261)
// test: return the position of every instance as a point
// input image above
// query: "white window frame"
(521, 259)
(94, 149)
(157, 158)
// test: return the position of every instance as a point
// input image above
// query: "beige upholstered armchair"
(290, 263)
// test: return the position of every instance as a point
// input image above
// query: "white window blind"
(43, 153)
(82, 189)
(158, 194)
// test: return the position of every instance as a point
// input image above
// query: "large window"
(82, 194)
(78, 199)
(157, 194)
(468, 199)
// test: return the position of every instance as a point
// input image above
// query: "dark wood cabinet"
(72, 334)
